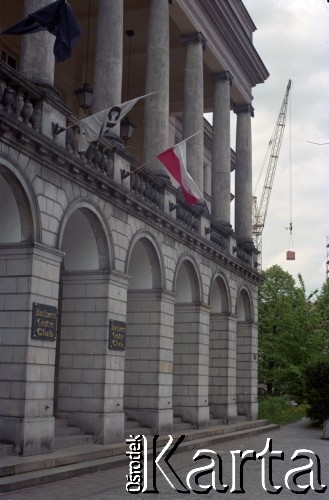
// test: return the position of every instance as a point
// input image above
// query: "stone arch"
(84, 292)
(18, 205)
(190, 346)
(187, 272)
(246, 356)
(146, 317)
(243, 305)
(219, 296)
(145, 263)
(85, 237)
(222, 344)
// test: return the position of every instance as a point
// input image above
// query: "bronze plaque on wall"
(44, 322)
(117, 335)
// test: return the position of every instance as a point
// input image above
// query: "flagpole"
(125, 174)
(57, 129)
(187, 138)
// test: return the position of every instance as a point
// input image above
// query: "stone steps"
(6, 449)
(134, 427)
(179, 425)
(22, 472)
(68, 436)
(215, 421)
(73, 440)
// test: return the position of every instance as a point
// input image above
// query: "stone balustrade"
(220, 236)
(188, 217)
(22, 101)
(19, 99)
(244, 252)
(146, 189)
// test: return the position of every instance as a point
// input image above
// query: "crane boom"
(260, 211)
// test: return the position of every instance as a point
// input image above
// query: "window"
(10, 59)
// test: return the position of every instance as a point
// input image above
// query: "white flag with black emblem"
(99, 124)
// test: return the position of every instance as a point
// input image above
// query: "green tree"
(287, 322)
(317, 375)
(322, 311)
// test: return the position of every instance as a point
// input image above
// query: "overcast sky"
(292, 38)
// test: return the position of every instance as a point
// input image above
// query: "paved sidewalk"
(110, 485)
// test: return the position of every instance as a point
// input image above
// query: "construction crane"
(260, 210)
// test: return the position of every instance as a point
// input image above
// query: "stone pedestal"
(247, 369)
(27, 364)
(149, 359)
(191, 369)
(90, 375)
(325, 433)
(222, 367)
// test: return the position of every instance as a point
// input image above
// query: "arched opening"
(83, 320)
(23, 280)
(191, 344)
(16, 222)
(243, 307)
(144, 267)
(79, 244)
(246, 358)
(222, 345)
(142, 374)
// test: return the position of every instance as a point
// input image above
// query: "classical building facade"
(118, 301)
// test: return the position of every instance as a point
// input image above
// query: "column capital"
(195, 38)
(223, 75)
(244, 108)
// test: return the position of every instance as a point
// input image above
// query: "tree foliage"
(317, 376)
(292, 332)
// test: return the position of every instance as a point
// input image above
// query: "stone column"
(222, 367)
(149, 358)
(243, 173)
(29, 274)
(191, 363)
(108, 57)
(247, 369)
(37, 53)
(156, 107)
(193, 105)
(221, 150)
(90, 380)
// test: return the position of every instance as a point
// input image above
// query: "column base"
(227, 412)
(112, 428)
(107, 427)
(31, 436)
(249, 410)
(160, 421)
(198, 416)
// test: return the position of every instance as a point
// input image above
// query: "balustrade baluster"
(9, 99)
(19, 103)
(27, 110)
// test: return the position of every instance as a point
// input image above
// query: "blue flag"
(58, 18)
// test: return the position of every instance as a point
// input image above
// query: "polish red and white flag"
(174, 159)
